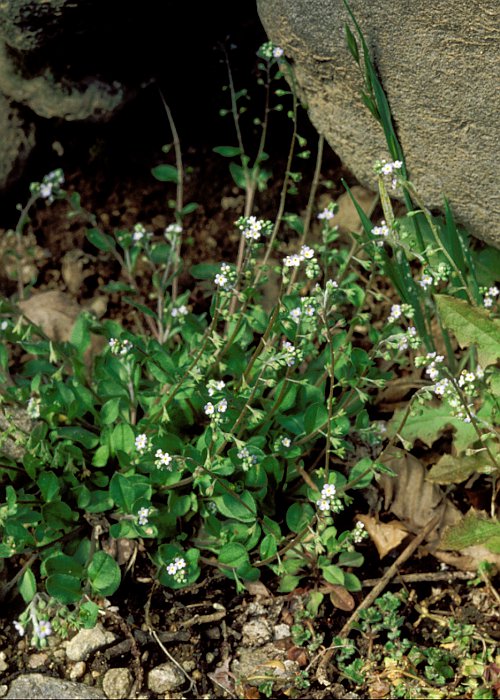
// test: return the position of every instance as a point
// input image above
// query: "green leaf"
(454, 469)
(470, 531)
(101, 456)
(165, 173)
(288, 583)
(104, 574)
(63, 564)
(298, 516)
(227, 151)
(88, 613)
(204, 271)
(241, 507)
(48, 484)
(189, 208)
(333, 574)
(233, 554)
(364, 465)
(64, 588)
(76, 434)
(350, 559)
(125, 490)
(315, 418)
(351, 43)
(109, 411)
(238, 175)
(471, 326)
(27, 586)
(426, 423)
(100, 240)
(80, 334)
(122, 438)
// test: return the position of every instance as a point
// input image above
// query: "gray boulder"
(35, 686)
(438, 63)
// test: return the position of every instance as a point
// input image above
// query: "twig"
(425, 577)
(374, 594)
(192, 685)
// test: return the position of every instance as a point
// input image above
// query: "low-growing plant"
(225, 439)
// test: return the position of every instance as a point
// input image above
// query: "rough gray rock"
(117, 683)
(17, 140)
(256, 632)
(164, 678)
(35, 686)
(438, 63)
(87, 641)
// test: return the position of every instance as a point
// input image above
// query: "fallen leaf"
(258, 589)
(339, 596)
(223, 677)
(385, 536)
(414, 500)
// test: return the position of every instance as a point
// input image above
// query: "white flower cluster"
(426, 281)
(408, 339)
(33, 407)
(399, 311)
(451, 390)
(248, 460)
(270, 51)
(307, 309)
(290, 353)
(138, 233)
(306, 254)
(162, 459)
(252, 228)
(215, 411)
(382, 230)
(359, 533)
(328, 502)
(225, 278)
(50, 185)
(142, 443)
(389, 168)
(177, 569)
(215, 385)
(174, 229)
(120, 347)
(326, 214)
(490, 296)
(142, 516)
(282, 442)
(41, 628)
(181, 310)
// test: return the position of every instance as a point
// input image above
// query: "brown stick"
(321, 674)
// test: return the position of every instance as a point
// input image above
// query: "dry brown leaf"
(469, 558)
(341, 598)
(55, 313)
(223, 677)
(385, 536)
(258, 589)
(413, 499)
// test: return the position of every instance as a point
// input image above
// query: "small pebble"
(77, 670)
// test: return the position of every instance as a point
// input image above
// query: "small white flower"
(137, 236)
(209, 409)
(397, 165)
(306, 252)
(426, 281)
(19, 628)
(386, 169)
(173, 228)
(180, 563)
(488, 302)
(163, 459)
(286, 442)
(327, 214)
(309, 311)
(396, 312)
(292, 261)
(180, 311)
(220, 279)
(493, 292)
(328, 491)
(141, 443)
(295, 314)
(43, 629)
(278, 52)
(222, 406)
(4, 325)
(33, 407)
(323, 504)
(171, 569)
(113, 343)
(46, 190)
(142, 516)
(382, 230)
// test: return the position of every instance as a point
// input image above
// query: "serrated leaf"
(471, 326)
(472, 530)
(428, 424)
